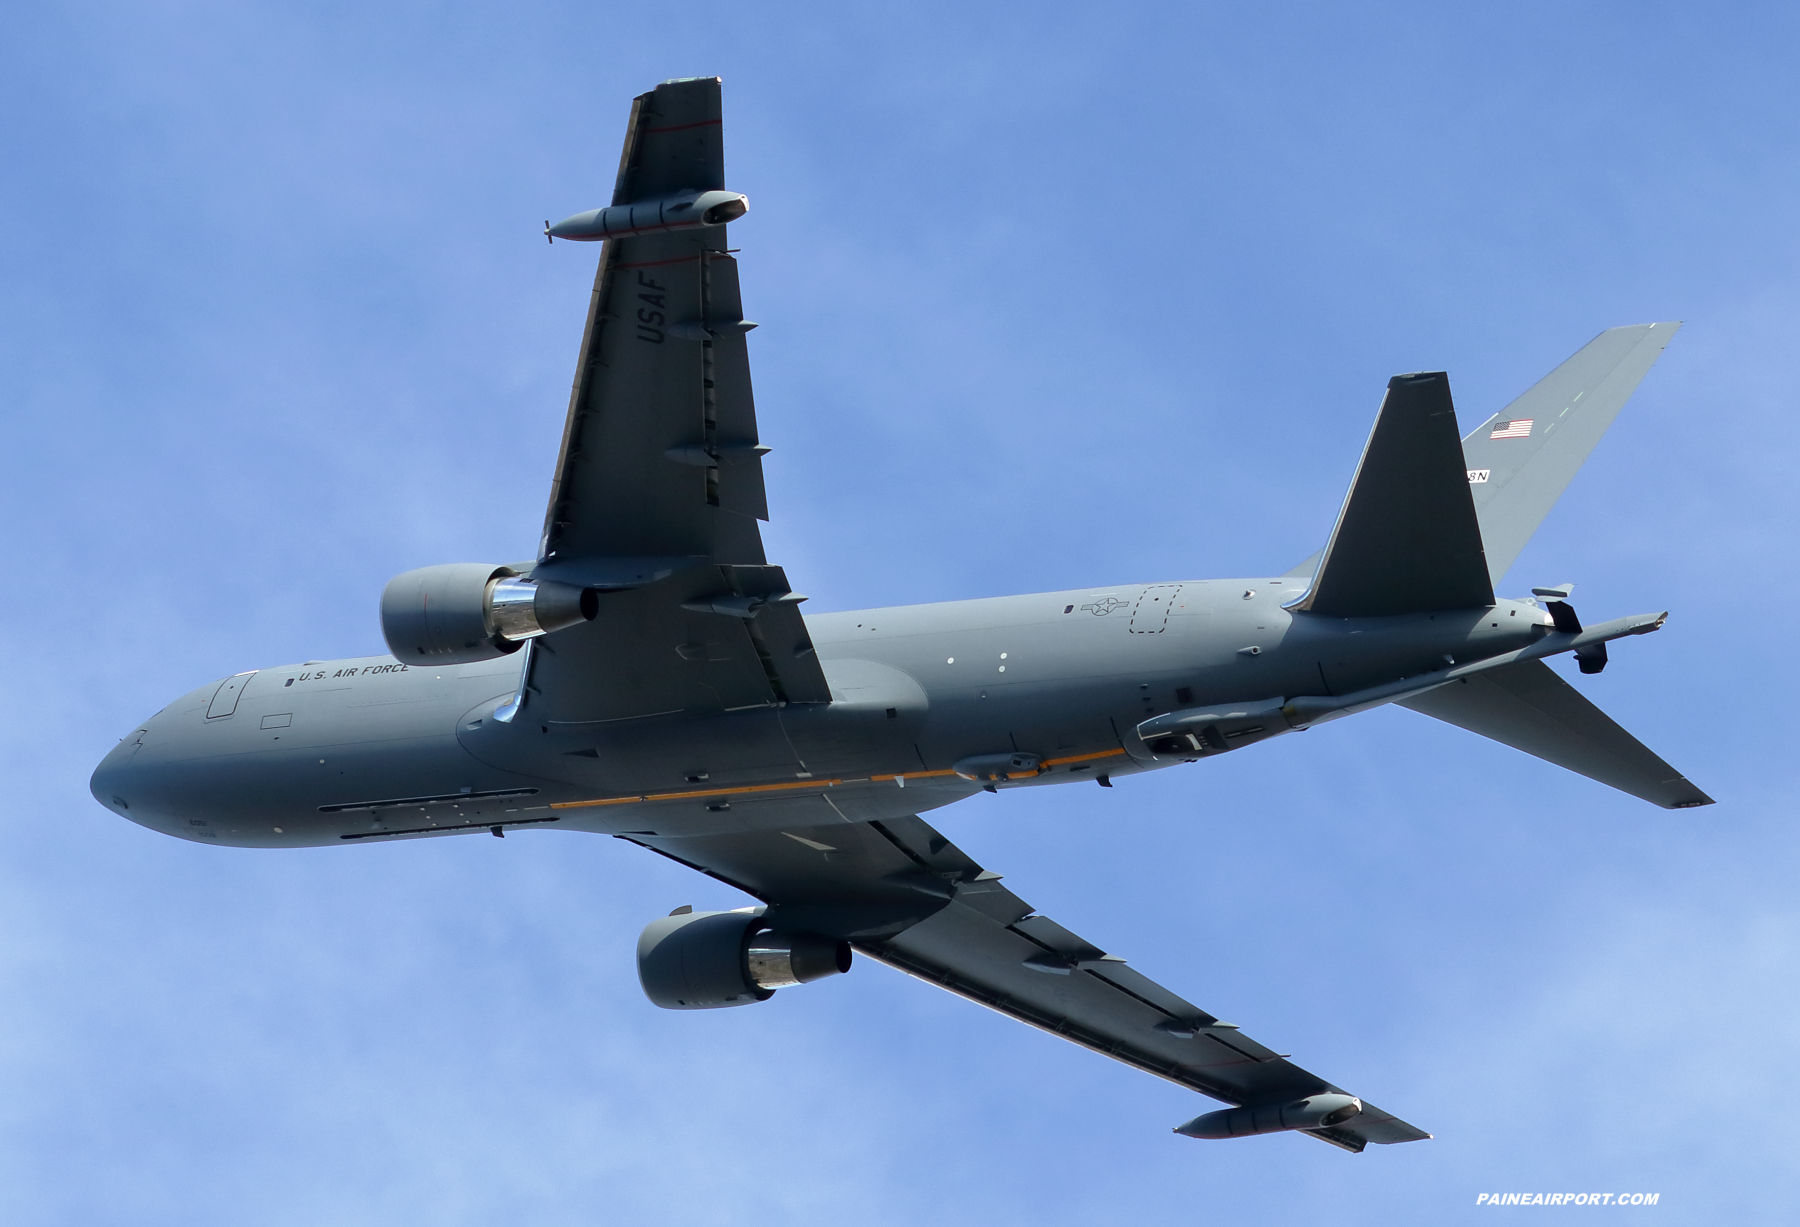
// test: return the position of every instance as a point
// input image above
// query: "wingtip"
(1671, 325)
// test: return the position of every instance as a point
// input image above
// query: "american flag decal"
(1513, 430)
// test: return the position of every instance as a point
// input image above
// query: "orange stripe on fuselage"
(792, 785)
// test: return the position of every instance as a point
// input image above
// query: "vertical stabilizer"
(1521, 458)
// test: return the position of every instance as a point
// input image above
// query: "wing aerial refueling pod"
(649, 674)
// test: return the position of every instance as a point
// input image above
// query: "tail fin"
(1530, 708)
(1521, 459)
(1407, 539)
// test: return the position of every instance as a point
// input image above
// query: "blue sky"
(1052, 295)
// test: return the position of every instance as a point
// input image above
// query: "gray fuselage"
(336, 752)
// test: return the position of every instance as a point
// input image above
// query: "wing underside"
(656, 497)
(659, 486)
(903, 894)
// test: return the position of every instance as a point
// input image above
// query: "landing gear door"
(225, 699)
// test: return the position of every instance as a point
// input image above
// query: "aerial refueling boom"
(683, 211)
(1313, 1112)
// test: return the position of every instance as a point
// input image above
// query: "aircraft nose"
(113, 780)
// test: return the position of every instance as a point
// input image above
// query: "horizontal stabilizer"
(1407, 540)
(1522, 458)
(1528, 707)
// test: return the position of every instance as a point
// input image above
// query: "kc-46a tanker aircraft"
(650, 675)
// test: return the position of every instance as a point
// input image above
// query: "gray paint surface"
(1528, 707)
(1407, 539)
(791, 755)
(1569, 410)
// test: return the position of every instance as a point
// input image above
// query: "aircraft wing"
(658, 485)
(903, 894)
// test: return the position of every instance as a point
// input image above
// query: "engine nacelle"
(1313, 1112)
(685, 211)
(469, 611)
(708, 960)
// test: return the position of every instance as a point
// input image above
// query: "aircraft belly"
(870, 727)
(833, 803)
(1046, 718)
(307, 792)
(907, 705)
(1350, 654)
(300, 744)
(654, 754)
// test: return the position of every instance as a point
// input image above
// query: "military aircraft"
(649, 674)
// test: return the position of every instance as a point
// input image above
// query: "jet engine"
(707, 960)
(468, 611)
(686, 211)
(1313, 1112)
